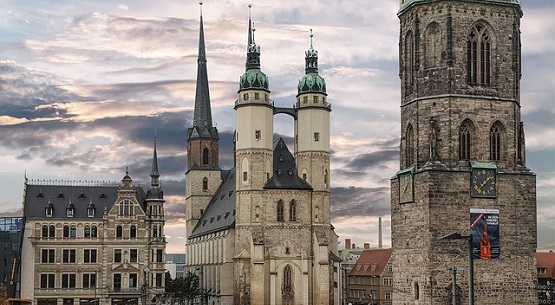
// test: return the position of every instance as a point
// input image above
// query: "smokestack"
(380, 232)
(347, 243)
(366, 246)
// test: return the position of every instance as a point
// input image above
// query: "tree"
(183, 288)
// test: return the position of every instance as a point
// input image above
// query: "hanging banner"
(484, 227)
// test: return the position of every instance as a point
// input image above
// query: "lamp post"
(470, 262)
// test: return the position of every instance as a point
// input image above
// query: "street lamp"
(470, 262)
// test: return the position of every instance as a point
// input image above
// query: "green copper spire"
(311, 82)
(253, 78)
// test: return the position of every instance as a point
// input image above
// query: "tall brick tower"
(462, 156)
(203, 174)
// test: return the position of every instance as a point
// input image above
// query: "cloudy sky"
(84, 86)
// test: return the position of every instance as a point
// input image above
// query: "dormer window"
(90, 210)
(49, 210)
(70, 210)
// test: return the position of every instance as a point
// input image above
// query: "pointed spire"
(203, 113)
(154, 174)
(311, 58)
(253, 51)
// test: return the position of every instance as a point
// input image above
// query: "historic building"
(93, 243)
(260, 232)
(463, 167)
(370, 281)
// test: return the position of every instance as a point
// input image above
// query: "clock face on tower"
(483, 182)
(406, 193)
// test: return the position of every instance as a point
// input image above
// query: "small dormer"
(91, 209)
(70, 210)
(49, 209)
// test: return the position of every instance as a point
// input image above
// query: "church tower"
(312, 131)
(203, 174)
(462, 171)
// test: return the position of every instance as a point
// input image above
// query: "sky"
(86, 85)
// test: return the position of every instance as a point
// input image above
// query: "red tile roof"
(546, 260)
(371, 262)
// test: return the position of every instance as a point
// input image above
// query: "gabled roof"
(38, 196)
(546, 260)
(220, 213)
(371, 262)
(285, 170)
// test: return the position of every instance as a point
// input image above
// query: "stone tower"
(462, 156)
(155, 219)
(203, 174)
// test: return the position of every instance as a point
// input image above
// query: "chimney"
(347, 243)
(354, 246)
(380, 232)
(366, 246)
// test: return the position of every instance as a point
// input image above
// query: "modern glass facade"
(11, 235)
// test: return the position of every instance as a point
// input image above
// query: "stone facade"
(454, 112)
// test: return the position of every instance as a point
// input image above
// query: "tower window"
(280, 211)
(246, 96)
(245, 176)
(257, 135)
(465, 140)
(293, 211)
(478, 52)
(256, 96)
(495, 142)
(305, 99)
(316, 136)
(433, 45)
(205, 154)
(315, 99)
(409, 146)
(409, 63)
(287, 282)
(205, 184)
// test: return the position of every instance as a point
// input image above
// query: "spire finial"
(127, 170)
(311, 35)
(200, 5)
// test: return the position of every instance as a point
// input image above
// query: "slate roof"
(546, 260)
(220, 213)
(371, 262)
(37, 196)
(285, 171)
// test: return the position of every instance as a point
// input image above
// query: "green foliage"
(183, 288)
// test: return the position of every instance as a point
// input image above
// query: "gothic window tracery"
(287, 288)
(495, 137)
(409, 62)
(409, 146)
(279, 211)
(478, 52)
(293, 211)
(205, 184)
(433, 45)
(205, 156)
(465, 140)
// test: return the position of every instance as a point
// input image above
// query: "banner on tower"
(484, 227)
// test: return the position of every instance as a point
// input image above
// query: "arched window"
(205, 156)
(293, 211)
(119, 232)
(155, 231)
(205, 184)
(409, 62)
(94, 231)
(66, 231)
(87, 231)
(495, 142)
(245, 170)
(73, 231)
(416, 291)
(478, 54)
(45, 231)
(133, 232)
(409, 146)
(326, 178)
(52, 231)
(465, 140)
(280, 211)
(433, 45)
(287, 288)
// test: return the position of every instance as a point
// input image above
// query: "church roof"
(285, 171)
(220, 213)
(38, 196)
